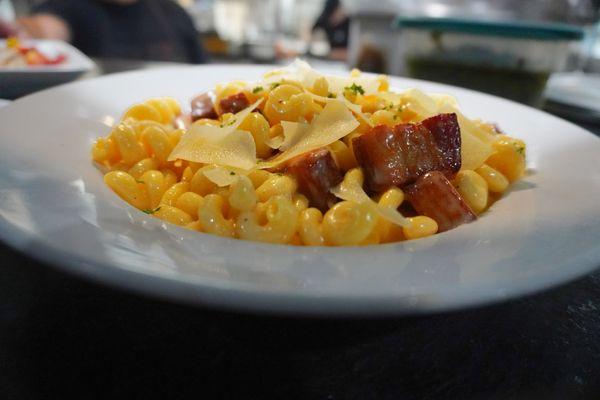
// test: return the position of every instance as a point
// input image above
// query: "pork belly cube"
(396, 156)
(434, 196)
(399, 156)
(203, 107)
(234, 103)
(446, 133)
(316, 173)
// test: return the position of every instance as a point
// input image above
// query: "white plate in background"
(55, 207)
(19, 81)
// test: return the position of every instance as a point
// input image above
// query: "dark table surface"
(63, 336)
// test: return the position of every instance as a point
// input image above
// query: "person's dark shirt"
(337, 35)
(146, 30)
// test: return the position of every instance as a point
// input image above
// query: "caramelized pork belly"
(316, 173)
(234, 103)
(400, 155)
(434, 196)
(203, 107)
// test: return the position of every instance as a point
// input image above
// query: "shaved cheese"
(275, 142)
(442, 99)
(333, 123)
(391, 97)
(237, 149)
(420, 103)
(473, 152)
(321, 99)
(466, 124)
(292, 133)
(301, 71)
(355, 108)
(225, 145)
(223, 176)
(351, 190)
(337, 84)
(392, 215)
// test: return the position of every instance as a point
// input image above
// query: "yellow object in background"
(13, 43)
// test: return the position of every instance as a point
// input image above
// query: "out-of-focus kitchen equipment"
(575, 96)
(512, 60)
(258, 30)
(371, 34)
(372, 44)
(7, 11)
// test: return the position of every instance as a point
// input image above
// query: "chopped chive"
(150, 212)
(257, 89)
(356, 89)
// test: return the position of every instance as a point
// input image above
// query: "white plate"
(54, 206)
(19, 81)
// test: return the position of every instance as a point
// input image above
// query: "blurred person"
(336, 25)
(122, 29)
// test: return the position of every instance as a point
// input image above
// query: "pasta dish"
(304, 158)
(16, 54)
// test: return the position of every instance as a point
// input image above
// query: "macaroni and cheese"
(303, 158)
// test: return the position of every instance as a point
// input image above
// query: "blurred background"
(526, 50)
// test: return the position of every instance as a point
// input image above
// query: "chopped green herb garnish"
(232, 173)
(229, 123)
(356, 89)
(138, 181)
(257, 89)
(520, 150)
(330, 95)
(150, 212)
(275, 84)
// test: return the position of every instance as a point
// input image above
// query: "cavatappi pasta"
(303, 158)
